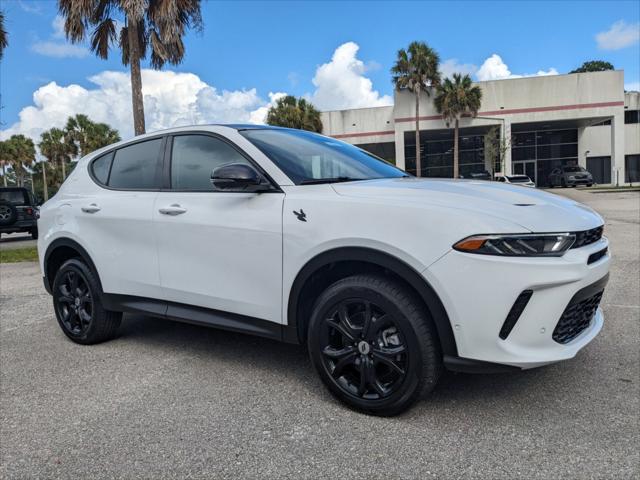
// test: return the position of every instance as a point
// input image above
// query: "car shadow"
(249, 352)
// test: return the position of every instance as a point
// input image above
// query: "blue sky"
(252, 49)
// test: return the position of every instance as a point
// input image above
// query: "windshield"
(573, 169)
(519, 179)
(307, 157)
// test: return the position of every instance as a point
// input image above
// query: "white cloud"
(57, 46)
(620, 35)
(494, 68)
(341, 83)
(171, 99)
(632, 87)
(451, 66)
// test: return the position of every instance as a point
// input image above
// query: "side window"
(100, 168)
(194, 157)
(137, 166)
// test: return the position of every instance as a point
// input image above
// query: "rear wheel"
(34, 233)
(78, 307)
(373, 345)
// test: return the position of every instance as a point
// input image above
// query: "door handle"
(173, 209)
(91, 208)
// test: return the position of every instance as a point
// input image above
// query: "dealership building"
(584, 119)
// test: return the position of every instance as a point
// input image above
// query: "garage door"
(600, 168)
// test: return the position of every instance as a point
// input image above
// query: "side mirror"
(238, 177)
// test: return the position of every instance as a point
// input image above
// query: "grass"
(29, 254)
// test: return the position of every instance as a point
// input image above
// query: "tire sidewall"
(411, 383)
(83, 270)
(13, 214)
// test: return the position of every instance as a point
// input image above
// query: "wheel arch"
(329, 266)
(58, 252)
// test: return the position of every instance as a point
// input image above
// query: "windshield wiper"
(317, 181)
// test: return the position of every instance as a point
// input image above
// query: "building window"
(544, 149)
(632, 116)
(602, 124)
(385, 150)
(632, 168)
(436, 152)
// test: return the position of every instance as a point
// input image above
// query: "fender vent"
(514, 313)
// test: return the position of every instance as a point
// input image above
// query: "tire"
(34, 233)
(79, 310)
(399, 349)
(563, 183)
(589, 184)
(8, 213)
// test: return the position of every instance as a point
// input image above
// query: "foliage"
(16, 152)
(416, 69)
(457, 97)
(495, 148)
(295, 112)
(14, 255)
(149, 26)
(84, 136)
(593, 66)
(4, 38)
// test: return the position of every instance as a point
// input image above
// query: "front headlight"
(518, 245)
(572, 177)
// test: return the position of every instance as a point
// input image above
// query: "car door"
(219, 250)
(114, 219)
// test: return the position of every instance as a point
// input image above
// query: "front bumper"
(580, 181)
(478, 291)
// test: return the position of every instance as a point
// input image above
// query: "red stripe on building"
(525, 110)
(365, 134)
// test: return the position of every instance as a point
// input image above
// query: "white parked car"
(522, 180)
(299, 237)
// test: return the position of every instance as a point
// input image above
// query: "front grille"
(587, 237)
(576, 317)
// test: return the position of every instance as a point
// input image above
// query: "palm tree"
(84, 136)
(416, 70)
(19, 150)
(295, 112)
(54, 147)
(154, 25)
(3, 35)
(454, 99)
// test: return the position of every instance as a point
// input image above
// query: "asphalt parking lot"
(169, 400)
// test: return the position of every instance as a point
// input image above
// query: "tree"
(495, 148)
(454, 99)
(416, 69)
(4, 160)
(3, 36)
(56, 149)
(84, 136)
(593, 66)
(18, 151)
(295, 112)
(149, 25)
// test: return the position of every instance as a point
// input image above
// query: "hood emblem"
(301, 215)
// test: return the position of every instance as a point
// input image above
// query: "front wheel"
(373, 344)
(78, 306)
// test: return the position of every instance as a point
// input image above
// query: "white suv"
(302, 238)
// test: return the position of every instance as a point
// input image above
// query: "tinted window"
(137, 166)
(194, 157)
(100, 168)
(305, 156)
(17, 197)
(573, 169)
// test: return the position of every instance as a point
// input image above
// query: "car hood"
(532, 209)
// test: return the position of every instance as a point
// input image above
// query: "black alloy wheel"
(373, 343)
(365, 353)
(74, 303)
(78, 305)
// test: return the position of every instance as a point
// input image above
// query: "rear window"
(100, 168)
(137, 166)
(16, 197)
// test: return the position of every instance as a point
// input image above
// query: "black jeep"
(18, 211)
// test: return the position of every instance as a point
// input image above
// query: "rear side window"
(194, 157)
(137, 166)
(100, 168)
